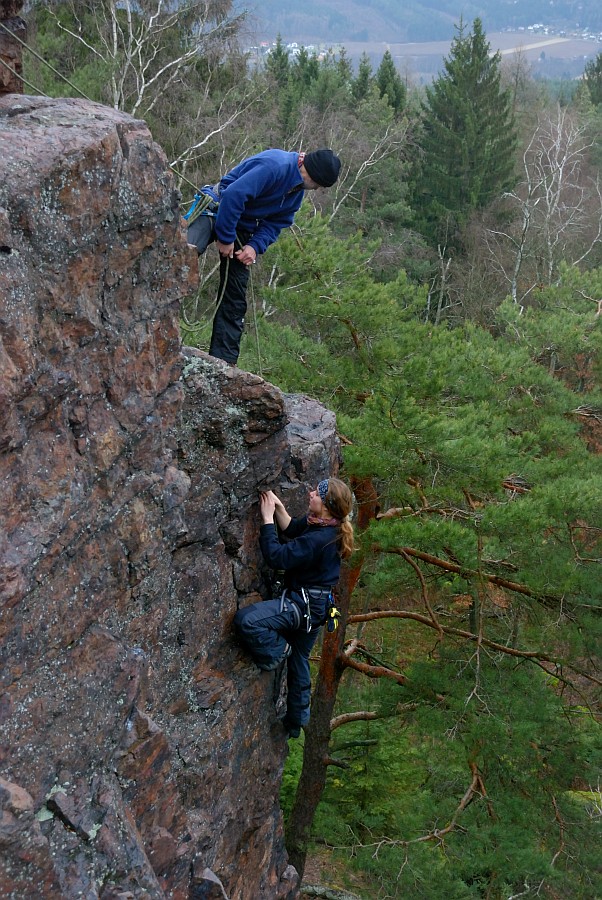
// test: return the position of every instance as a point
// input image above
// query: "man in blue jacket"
(255, 201)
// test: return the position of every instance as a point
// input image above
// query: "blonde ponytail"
(339, 501)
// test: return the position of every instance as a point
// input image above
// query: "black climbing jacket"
(308, 554)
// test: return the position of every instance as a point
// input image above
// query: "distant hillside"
(313, 21)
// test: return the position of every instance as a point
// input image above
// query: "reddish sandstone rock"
(24, 851)
(139, 746)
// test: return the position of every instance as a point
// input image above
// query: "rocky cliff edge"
(140, 753)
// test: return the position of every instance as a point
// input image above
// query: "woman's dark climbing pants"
(229, 320)
(266, 628)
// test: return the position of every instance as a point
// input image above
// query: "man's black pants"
(229, 320)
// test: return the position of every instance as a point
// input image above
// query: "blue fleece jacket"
(255, 196)
(310, 556)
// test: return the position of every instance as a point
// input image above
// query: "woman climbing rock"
(309, 551)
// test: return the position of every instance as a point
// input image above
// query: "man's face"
(308, 183)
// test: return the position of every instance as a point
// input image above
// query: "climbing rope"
(20, 77)
(205, 200)
(42, 60)
(255, 327)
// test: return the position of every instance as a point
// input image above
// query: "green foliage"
(278, 66)
(390, 84)
(361, 84)
(468, 140)
(560, 327)
(70, 57)
(593, 79)
(474, 442)
(345, 324)
(292, 771)
(407, 777)
(437, 414)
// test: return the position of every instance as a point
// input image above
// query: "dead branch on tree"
(387, 144)
(453, 512)
(561, 827)
(559, 209)
(470, 574)
(359, 716)
(373, 671)
(533, 655)
(333, 761)
(424, 592)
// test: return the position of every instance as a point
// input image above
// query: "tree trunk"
(317, 736)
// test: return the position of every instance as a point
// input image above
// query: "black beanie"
(322, 167)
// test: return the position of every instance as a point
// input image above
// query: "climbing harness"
(205, 203)
(302, 612)
(332, 613)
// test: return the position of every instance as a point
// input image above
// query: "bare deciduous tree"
(556, 209)
(148, 45)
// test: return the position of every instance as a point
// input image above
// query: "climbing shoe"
(292, 730)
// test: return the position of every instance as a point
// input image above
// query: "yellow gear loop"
(333, 619)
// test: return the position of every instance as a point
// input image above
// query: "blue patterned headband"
(323, 490)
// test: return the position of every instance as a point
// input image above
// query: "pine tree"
(361, 84)
(390, 84)
(305, 69)
(593, 79)
(469, 138)
(278, 64)
(476, 589)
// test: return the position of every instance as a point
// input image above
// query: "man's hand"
(225, 249)
(247, 255)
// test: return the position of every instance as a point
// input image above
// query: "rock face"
(140, 754)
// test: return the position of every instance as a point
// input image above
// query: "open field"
(542, 51)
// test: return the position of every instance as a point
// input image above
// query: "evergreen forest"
(444, 298)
